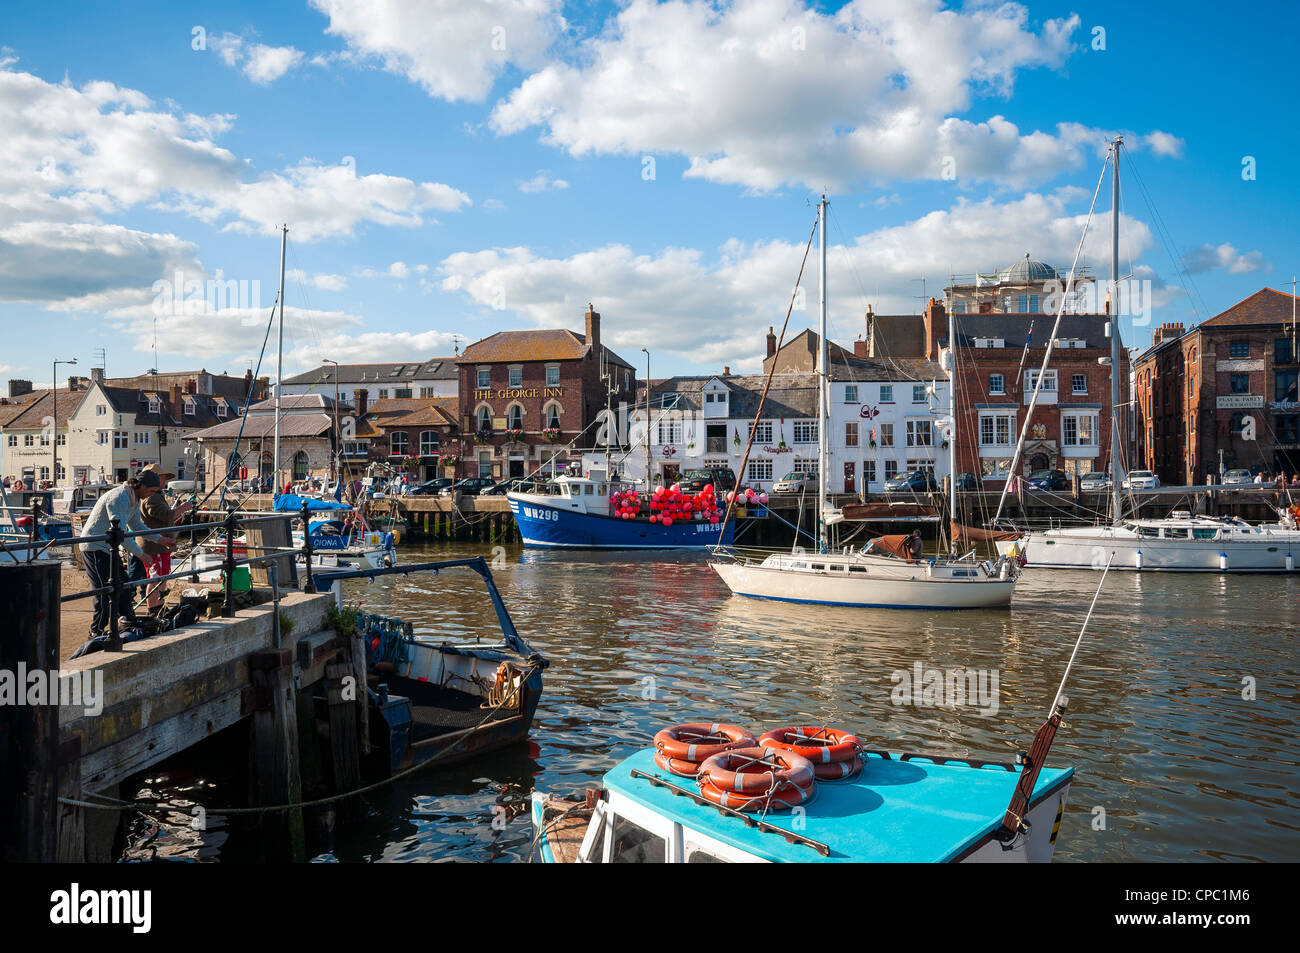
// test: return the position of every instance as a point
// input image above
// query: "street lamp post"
(337, 466)
(54, 437)
(647, 420)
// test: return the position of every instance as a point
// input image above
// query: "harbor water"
(1181, 722)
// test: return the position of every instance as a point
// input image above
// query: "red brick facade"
(1203, 391)
(1070, 427)
(553, 399)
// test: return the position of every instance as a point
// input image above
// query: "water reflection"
(1163, 741)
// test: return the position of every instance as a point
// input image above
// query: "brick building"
(999, 357)
(1227, 386)
(416, 436)
(529, 399)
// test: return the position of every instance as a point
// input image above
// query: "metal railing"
(229, 524)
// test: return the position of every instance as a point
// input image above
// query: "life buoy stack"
(836, 754)
(757, 779)
(682, 749)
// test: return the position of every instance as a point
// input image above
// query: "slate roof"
(263, 425)
(31, 414)
(792, 395)
(1265, 306)
(435, 368)
(1014, 329)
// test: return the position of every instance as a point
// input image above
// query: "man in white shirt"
(123, 503)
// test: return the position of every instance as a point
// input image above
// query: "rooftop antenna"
(99, 358)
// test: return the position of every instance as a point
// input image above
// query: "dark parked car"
(918, 481)
(432, 487)
(473, 486)
(1048, 480)
(966, 481)
(722, 479)
(517, 485)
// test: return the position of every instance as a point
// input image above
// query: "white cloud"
(324, 282)
(373, 347)
(398, 270)
(711, 309)
(542, 182)
(80, 155)
(1211, 258)
(453, 49)
(262, 64)
(1164, 144)
(771, 92)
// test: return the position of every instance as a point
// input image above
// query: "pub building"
(529, 400)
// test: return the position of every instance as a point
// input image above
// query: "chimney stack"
(19, 387)
(97, 375)
(593, 330)
(363, 400)
(859, 348)
(936, 324)
(771, 342)
(726, 370)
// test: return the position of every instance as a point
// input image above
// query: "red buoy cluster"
(670, 504)
(777, 772)
(747, 495)
(626, 504)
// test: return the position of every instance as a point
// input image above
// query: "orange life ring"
(687, 769)
(757, 770)
(756, 803)
(699, 741)
(839, 770)
(818, 744)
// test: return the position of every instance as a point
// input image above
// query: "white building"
(882, 420)
(436, 377)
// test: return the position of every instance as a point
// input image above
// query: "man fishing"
(123, 504)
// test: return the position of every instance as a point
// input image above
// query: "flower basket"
(514, 434)
(449, 459)
(552, 434)
(781, 445)
(482, 436)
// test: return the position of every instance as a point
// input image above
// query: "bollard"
(115, 537)
(310, 586)
(31, 531)
(228, 604)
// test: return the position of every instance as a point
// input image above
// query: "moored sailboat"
(882, 574)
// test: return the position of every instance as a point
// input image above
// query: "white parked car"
(1094, 482)
(1237, 476)
(1141, 480)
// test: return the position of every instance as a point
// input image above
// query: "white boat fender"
(1223, 562)
(1137, 560)
(1290, 563)
(1006, 569)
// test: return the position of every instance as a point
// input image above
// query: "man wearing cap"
(157, 513)
(123, 504)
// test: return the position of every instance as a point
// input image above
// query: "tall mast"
(952, 413)
(1114, 332)
(823, 367)
(279, 365)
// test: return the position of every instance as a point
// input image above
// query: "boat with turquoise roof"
(907, 808)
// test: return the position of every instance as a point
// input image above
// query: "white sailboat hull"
(1091, 548)
(910, 587)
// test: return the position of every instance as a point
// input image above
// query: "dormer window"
(221, 408)
(189, 407)
(154, 406)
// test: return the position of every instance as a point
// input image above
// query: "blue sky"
(450, 169)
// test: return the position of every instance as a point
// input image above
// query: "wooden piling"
(29, 604)
(276, 774)
(342, 690)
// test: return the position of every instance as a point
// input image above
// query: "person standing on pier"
(123, 503)
(157, 513)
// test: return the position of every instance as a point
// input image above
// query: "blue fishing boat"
(899, 808)
(580, 514)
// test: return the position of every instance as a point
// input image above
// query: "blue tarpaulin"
(291, 503)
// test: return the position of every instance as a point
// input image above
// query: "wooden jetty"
(159, 696)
